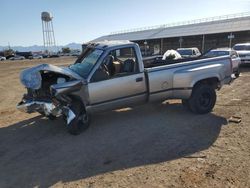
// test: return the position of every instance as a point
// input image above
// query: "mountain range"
(36, 48)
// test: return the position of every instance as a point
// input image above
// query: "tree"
(66, 50)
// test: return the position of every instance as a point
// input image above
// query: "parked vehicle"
(189, 52)
(26, 55)
(2, 58)
(37, 56)
(76, 54)
(53, 55)
(236, 61)
(111, 75)
(17, 57)
(45, 55)
(244, 52)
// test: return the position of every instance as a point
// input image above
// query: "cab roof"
(107, 44)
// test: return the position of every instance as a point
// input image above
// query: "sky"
(84, 20)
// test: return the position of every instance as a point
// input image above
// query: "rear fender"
(203, 78)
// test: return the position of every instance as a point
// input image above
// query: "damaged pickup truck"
(111, 75)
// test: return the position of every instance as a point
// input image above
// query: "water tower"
(48, 32)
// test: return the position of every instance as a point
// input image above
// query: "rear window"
(241, 47)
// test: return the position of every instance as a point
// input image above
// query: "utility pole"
(230, 37)
(145, 46)
(161, 46)
(180, 41)
(203, 43)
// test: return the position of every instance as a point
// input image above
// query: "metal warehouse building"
(222, 31)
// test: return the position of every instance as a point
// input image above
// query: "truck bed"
(176, 78)
(156, 61)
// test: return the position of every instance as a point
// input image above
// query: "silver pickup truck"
(112, 75)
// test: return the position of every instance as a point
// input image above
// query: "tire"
(81, 122)
(203, 99)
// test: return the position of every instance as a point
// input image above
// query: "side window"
(117, 63)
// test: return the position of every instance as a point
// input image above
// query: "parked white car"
(236, 60)
(189, 52)
(2, 58)
(17, 57)
(244, 52)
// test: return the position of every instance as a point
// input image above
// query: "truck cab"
(120, 70)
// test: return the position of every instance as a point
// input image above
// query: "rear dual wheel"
(202, 100)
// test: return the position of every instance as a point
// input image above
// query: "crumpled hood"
(31, 77)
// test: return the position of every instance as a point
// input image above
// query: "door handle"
(140, 79)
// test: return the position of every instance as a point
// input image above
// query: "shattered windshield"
(86, 62)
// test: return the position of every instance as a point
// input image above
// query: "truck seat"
(128, 65)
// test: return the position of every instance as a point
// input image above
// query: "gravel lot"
(155, 145)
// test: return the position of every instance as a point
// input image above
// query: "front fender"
(63, 90)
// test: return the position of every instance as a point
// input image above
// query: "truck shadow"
(245, 68)
(39, 152)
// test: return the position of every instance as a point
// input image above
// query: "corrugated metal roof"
(222, 24)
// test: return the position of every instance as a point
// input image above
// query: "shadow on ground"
(245, 68)
(39, 152)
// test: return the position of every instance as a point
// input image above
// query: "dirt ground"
(155, 145)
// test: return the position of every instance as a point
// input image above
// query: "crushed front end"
(48, 91)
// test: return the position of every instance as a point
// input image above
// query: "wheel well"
(76, 99)
(214, 82)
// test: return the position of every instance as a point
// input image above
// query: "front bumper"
(46, 108)
(38, 106)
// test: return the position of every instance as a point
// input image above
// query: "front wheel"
(81, 121)
(203, 99)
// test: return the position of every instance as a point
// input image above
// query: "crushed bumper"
(47, 108)
(38, 106)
